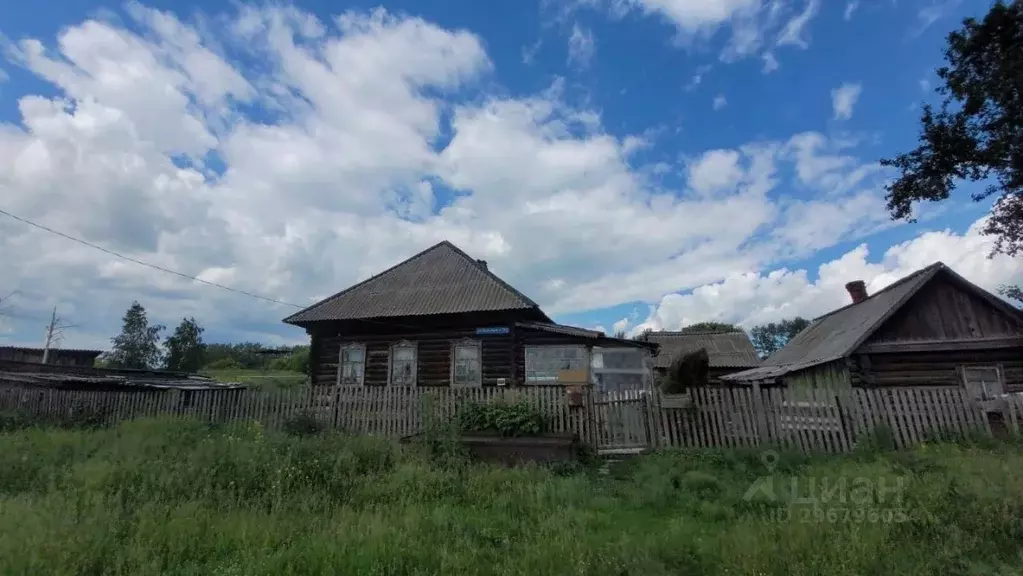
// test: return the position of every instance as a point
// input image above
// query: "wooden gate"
(622, 422)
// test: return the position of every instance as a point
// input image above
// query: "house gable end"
(949, 308)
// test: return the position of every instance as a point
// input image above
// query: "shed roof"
(599, 338)
(439, 280)
(840, 332)
(34, 350)
(725, 349)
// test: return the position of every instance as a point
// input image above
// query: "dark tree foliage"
(710, 327)
(137, 346)
(247, 355)
(1013, 293)
(687, 371)
(185, 348)
(769, 338)
(978, 132)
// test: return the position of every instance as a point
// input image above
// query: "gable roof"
(726, 349)
(439, 280)
(840, 332)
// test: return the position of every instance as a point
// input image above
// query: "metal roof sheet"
(731, 349)
(439, 280)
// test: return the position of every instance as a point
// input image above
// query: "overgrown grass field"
(172, 497)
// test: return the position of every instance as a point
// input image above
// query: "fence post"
(758, 405)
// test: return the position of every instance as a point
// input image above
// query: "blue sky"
(630, 164)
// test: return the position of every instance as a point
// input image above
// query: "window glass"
(543, 363)
(466, 365)
(353, 364)
(403, 365)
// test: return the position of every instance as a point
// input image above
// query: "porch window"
(465, 364)
(544, 362)
(403, 364)
(983, 382)
(352, 365)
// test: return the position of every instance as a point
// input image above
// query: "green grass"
(262, 379)
(165, 497)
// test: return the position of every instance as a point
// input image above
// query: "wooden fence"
(807, 421)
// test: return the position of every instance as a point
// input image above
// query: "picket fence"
(825, 420)
(806, 421)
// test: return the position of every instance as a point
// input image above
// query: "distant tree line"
(139, 346)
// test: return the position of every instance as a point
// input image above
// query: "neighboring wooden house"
(728, 351)
(442, 318)
(931, 328)
(56, 356)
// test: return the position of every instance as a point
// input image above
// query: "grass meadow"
(173, 497)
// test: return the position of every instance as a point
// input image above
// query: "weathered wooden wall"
(941, 310)
(940, 368)
(503, 355)
(830, 375)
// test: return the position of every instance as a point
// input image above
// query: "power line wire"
(146, 264)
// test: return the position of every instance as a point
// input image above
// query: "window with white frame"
(352, 365)
(543, 363)
(403, 364)
(465, 364)
(983, 382)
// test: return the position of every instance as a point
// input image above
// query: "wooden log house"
(442, 318)
(931, 328)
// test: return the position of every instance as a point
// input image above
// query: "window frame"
(414, 346)
(984, 395)
(585, 363)
(467, 343)
(341, 363)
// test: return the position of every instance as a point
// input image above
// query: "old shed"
(931, 328)
(728, 351)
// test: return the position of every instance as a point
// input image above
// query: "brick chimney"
(857, 291)
(482, 263)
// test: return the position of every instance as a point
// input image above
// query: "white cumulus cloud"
(843, 100)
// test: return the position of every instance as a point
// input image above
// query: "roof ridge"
(523, 301)
(486, 270)
(367, 280)
(929, 268)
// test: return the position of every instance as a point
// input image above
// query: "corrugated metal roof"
(52, 350)
(725, 349)
(439, 280)
(837, 334)
(561, 329)
(602, 338)
(79, 381)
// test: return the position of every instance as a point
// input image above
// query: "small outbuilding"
(931, 328)
(55, 356)
(728, 352)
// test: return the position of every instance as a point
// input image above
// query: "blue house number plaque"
(490, 330)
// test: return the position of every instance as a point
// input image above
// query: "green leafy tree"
(185, 348)
(977, 134)
(710, 327)
(137, 346)
(769, 338)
